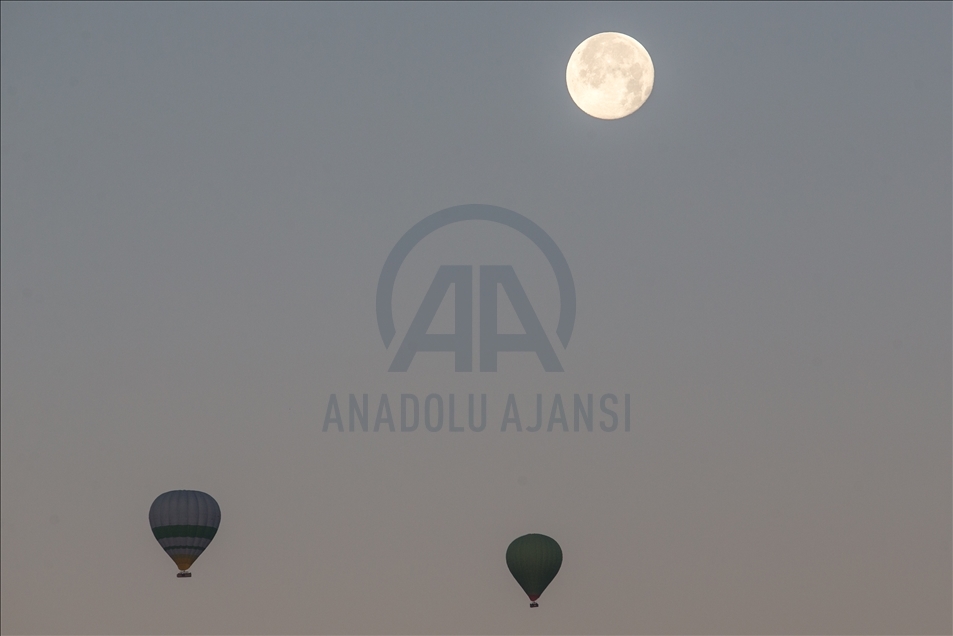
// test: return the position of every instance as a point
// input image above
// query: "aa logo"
(460, 342)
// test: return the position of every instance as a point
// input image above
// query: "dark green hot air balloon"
(184, 522)
(534, 560)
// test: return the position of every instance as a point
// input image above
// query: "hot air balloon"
(184, 522)
(534, 560)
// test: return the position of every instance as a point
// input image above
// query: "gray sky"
(197, 201)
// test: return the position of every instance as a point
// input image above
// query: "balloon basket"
(534, 604)
(183, 575)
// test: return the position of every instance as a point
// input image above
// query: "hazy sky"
(197, 201)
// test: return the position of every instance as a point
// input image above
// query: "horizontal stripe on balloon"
(198, 532)
(190, 541)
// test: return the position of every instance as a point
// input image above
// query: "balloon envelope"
(184, 522)
(534, 560)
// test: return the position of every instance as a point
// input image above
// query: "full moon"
(610, 75)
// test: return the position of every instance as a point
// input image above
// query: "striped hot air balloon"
(184, 522)
(534, 560)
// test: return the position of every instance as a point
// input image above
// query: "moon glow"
(610, 75)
